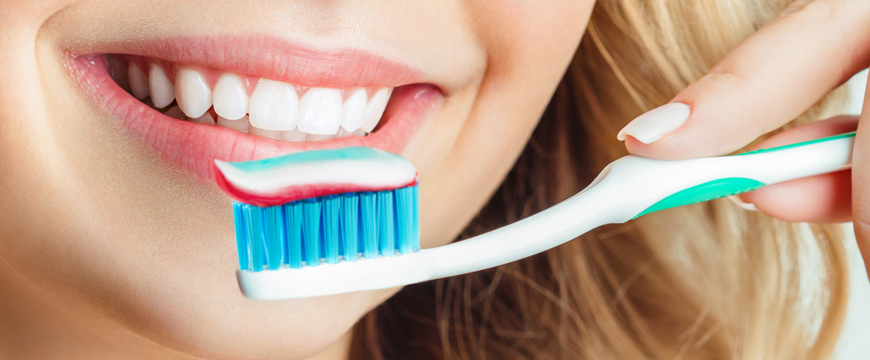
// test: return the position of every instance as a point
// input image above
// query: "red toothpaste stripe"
(293, 193)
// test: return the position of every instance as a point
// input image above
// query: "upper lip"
(273, 58)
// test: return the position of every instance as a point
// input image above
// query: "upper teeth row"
(271, 106)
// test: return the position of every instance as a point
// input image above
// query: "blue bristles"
(328, 229)
(293, 214)
(254, 235)
(349, 227)
(241, 235)
(386, 224)
(310, 232)
(369, 225)
(404, 203)
(274, 236)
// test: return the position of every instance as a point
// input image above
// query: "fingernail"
(742, 204)
(656, 123)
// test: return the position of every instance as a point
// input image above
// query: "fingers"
(768, 80)
(817, 199)
(822, 198)
(861, 182)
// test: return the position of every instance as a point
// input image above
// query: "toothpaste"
(310, 174)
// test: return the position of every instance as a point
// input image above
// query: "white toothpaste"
(309, 174)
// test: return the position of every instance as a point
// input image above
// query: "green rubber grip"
(705, 192)
(790, 146)
(725, 187)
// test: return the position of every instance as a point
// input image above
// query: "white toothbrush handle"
(627, 188)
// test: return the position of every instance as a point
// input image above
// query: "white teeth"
(343, 133)
(204, 119)
(320, 111)
(230, 97)
(272, 134)
(194, 95)
(273, 110)
(293, 135)
(174, 112)
(354, 110)
(315, 137)
(162, 90)
(138, 81)
(274, 106)
(375, 109)
(240, 125)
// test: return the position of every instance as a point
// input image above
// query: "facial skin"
(112, 249)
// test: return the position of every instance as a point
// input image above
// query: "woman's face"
(109, 210)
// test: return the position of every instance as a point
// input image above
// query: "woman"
(116, 243)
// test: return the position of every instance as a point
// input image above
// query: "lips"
(333, 81)
(262, 107)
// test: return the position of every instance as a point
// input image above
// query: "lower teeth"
(244, 126)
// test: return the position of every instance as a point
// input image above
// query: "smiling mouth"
(237, 99)
(260, 107)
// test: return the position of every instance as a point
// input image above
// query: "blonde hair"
(707, 281)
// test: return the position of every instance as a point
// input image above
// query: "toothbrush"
(322, 206)
(627, 188)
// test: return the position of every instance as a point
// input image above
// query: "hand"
(768, 80)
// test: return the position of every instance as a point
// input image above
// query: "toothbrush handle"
(623, 190)
(634, 186)
(795, 161)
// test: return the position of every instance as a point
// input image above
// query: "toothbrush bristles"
(328, 229)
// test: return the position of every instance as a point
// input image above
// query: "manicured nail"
(742, 204)
(656, 123)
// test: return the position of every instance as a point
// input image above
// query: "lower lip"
(195, 146)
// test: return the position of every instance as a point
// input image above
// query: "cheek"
(528, 46)
(531, 33)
